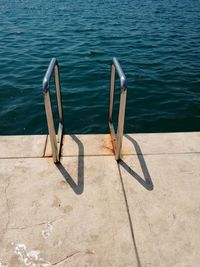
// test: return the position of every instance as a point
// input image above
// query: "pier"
(91, 210)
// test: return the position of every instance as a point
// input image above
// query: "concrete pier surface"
(90, 210)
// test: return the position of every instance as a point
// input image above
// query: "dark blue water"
(157, 43)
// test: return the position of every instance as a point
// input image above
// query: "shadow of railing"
(79, 186)
(146, 182)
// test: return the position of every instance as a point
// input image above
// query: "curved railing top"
(48, 74)
(121, 74)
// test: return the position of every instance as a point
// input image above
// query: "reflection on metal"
(56, 142)
(117, 139)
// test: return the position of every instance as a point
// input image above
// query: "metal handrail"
(55, 142)
(117, 139)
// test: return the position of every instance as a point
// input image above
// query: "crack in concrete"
(71, 255)
(66, 258)
(35, 225)
(129, 218)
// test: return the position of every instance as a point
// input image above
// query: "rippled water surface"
(157, 43)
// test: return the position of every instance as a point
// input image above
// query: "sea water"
(156, 42)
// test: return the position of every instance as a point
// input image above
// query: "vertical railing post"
(112, 89)
(58, 92)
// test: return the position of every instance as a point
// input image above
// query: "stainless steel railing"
(117, 139)
(56, 141)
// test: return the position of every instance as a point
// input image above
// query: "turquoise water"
(156, 42)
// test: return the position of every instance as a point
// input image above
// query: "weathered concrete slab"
(72, 214)
(92, 144)
(164, 143)
(164, 202)
(75, 214)
(161, 143)
(20, 146)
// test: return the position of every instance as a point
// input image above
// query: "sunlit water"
(156, 42)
